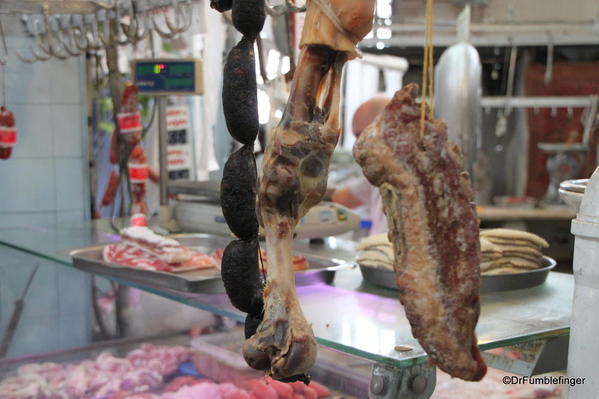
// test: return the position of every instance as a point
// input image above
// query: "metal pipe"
(162, 149)
(538, 102)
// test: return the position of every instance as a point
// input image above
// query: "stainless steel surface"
(162, 149)
(208, 189)
(458, 99)
(516, 281)
(503, 282)
(416, 382)
(207, 281)
(577, 186)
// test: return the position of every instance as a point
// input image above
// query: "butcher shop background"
(44, 184)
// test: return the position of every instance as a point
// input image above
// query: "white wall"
(44, 183)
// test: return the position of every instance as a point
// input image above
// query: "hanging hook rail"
(181, 10)
(38, 54)
(138, 29)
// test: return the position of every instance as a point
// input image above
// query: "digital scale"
(169, 77)
(198, 210)
(162, 78)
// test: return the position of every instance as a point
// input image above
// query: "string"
(426, 104)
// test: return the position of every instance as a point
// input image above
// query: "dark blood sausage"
(239, 267)
(248, 17)
(241, 275)
(240, 98)
(221, 5)
(251, 324)
(238, 193)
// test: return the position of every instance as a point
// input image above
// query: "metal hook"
(66, 37)
(136, 30)
(95, 43)
(53, 48)
(174, 28)
(79, 35)
(37, 54)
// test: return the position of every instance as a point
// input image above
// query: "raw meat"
(142, 248)
(107, 377)
(433, 226)
(294, 177)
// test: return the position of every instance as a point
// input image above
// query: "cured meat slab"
(433, 226)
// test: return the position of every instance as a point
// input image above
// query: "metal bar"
(162, 150)
(538, 102)
(513, 28)
(588, 123)
(54, 6)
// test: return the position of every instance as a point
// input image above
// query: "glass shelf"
(350, 315)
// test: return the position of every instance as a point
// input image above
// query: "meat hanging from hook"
(240, 267)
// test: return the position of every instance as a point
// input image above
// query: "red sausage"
(261, 390)
(321, 390)
(285, 391)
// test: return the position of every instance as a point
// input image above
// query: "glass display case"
(366, 322)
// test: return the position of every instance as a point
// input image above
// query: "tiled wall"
(44, 183)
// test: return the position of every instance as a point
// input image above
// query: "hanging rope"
(426, 104)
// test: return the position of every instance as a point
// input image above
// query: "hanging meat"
(8, 132)
(139, 173)
(294, 177)
(129, 124)
(433, 226)
(126, 141)
(240, 260)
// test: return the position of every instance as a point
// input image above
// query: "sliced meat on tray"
(144, 249)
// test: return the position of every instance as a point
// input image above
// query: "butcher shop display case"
(367, 322)
(170, 367)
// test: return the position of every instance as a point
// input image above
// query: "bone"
(293, 179)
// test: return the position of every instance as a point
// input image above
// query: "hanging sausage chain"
(240, 269)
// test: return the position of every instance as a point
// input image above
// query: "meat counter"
(170, 367)
(353, 317)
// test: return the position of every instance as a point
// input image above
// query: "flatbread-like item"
(490, 256)
(522, 249)
(376, 264)
(487, 265)
(509, 234)
(371, 256)
(504, 270)
(387, 250)
(517, 262)
(487, 246)
(537, 259)
(373, 241)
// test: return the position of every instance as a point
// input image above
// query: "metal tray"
(502, 282)
(321, 270)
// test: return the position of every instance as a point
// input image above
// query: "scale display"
(170, 77)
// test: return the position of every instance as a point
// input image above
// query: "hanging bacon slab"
(433, 226)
